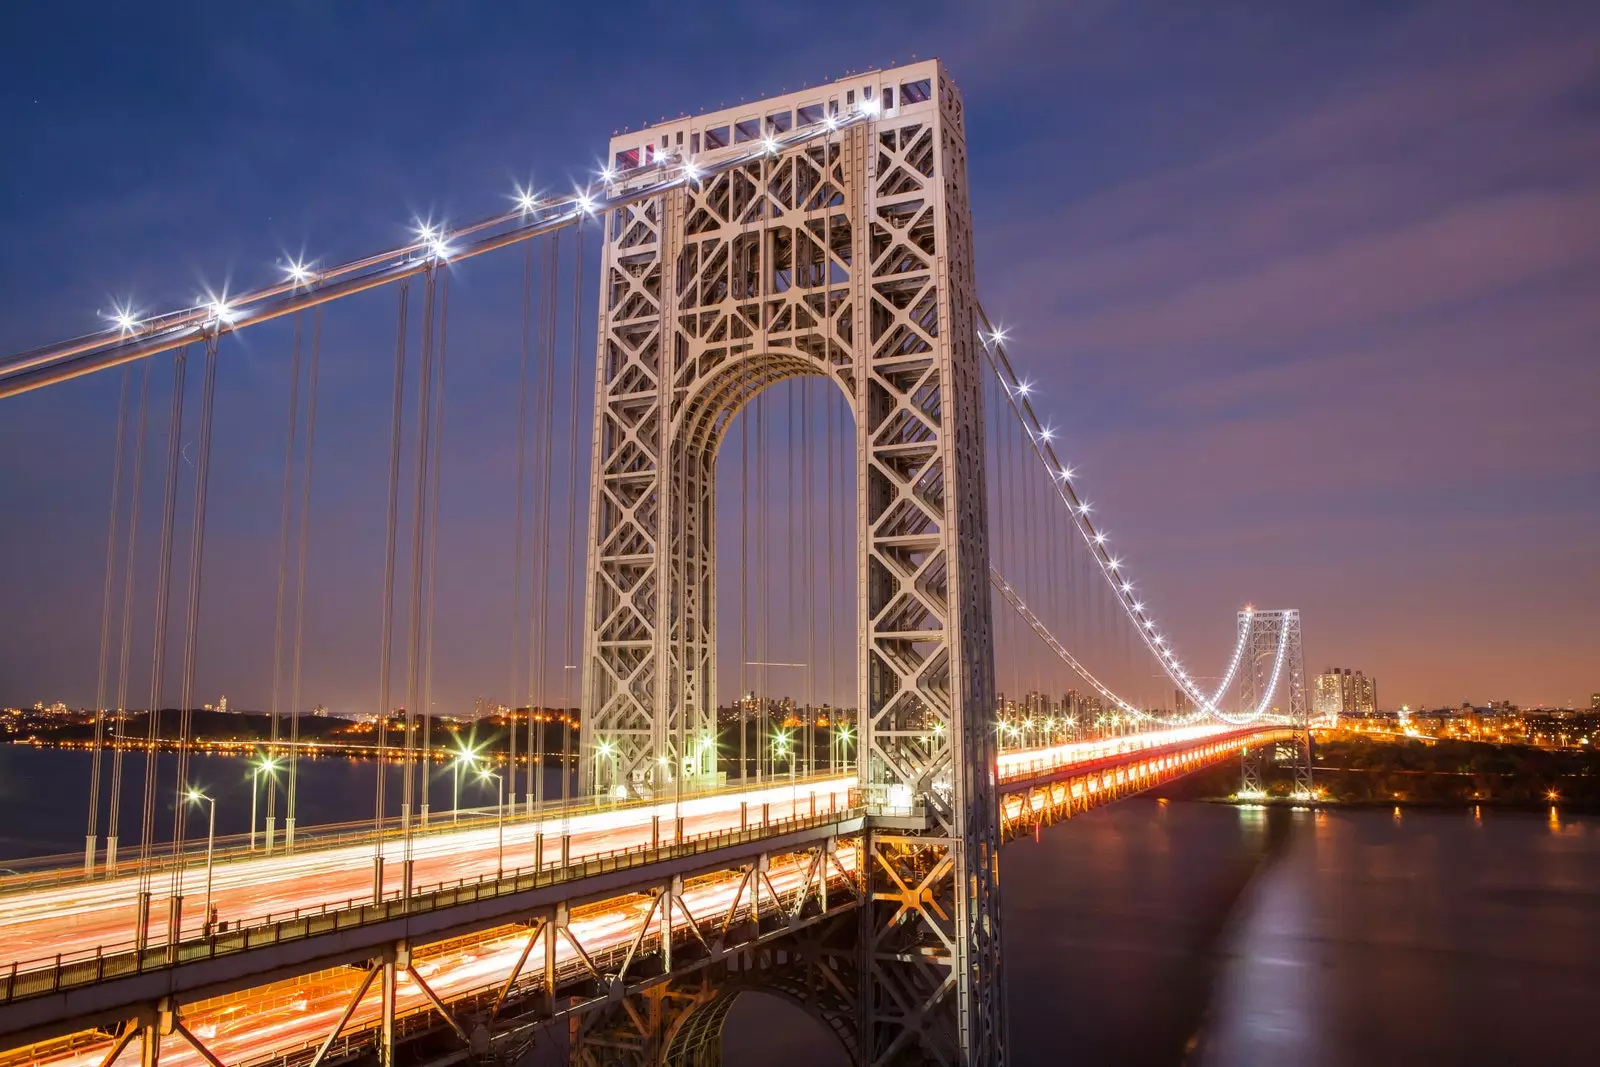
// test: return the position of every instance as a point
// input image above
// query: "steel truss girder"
(678, 1021)
(620, 1012)
(848, 258)
(667, 940)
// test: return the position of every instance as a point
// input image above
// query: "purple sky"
(1310, 293)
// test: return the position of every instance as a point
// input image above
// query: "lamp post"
(603, 750)
(195, 797)
(469, 756)
(500, 822)
(842, 736)
(268, 766)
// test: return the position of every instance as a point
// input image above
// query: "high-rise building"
(1594, 701)
(1341, 691)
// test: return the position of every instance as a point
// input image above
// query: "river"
(1155, 933)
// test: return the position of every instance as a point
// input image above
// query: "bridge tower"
(847, 257)
(1273, 664)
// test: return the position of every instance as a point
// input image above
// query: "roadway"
(268, 1022)
(78, 919)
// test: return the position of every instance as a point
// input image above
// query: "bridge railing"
(25, 978)
(67, 868)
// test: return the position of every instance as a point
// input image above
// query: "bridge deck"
(606, 887)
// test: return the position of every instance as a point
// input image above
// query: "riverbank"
(1352, 769)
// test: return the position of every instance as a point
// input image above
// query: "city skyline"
(1370, 520)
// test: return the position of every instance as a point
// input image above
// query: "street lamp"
(603, 750)
(195, 797)
(469, 756)
(269, 766)
(780, 748)
(842, 737)
(500, 821)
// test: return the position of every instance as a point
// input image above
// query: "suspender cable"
(120, 732)
(572, 494)
(763, 608)
(744, 588)
(191, 640)
(516, 540)
(832, 632)
(419, 511)
(433, 560)
(300, 580)
(1030, 529)
(789, 612)
(159, 651)
(91, 833)
(386, 652)
(808, 586)
(539, 580)
(283, 573)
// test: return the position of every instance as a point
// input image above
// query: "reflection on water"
(1428, 937)
(1159, 934)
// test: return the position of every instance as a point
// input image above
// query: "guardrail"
(68, 867)
(53, 974)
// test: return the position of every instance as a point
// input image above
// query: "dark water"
(1156, 934)
(44, 795)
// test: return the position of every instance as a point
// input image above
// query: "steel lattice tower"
(847, 257)
(1267, 632)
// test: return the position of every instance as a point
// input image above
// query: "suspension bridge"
(1007, 671)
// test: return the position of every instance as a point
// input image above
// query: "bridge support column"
(153, 1027)
(550, 963)
(394, 959)
(1250, 777)
(666, 924)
